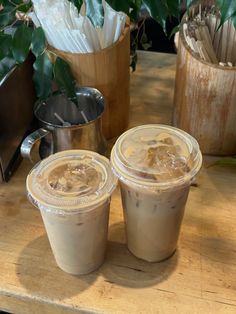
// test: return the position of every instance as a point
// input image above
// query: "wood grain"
(204, 100)
(108, 71)
(198, 279)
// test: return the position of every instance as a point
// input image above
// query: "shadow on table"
(209, 224)
(38, 273)
(210, 239)
(123, 268)
(40, 276)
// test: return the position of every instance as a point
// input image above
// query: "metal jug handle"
(30, 146)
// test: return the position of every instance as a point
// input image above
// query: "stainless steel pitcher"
(65, 125)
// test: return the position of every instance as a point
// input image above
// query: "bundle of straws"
(69, 30)
(212, 42)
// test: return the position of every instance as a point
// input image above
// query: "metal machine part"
(17, 97)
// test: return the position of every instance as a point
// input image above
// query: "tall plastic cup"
(72, 189)
(155, 165)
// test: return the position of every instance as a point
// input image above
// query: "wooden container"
(108, 71)
(205, 101)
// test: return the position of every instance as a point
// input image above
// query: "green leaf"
(5, 44)
(227, 9)
(95, 12)
(77, 3)
(38, 42)
(65, 79)
(135, 6)
(43, 76)
(6, 65)
(130, 7)
(233, 18)
(174, 30)
(230, 161)
(120, 5)
(21, 43)
(158, 10)
(7, 15)
(25, 7)
(190, 2)
(173, 8)
(13, 2)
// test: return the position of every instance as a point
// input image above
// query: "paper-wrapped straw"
(68, 30)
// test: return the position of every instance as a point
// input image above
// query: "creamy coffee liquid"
(155, 165)
(72, 189)
(153, 221)
(78, 241)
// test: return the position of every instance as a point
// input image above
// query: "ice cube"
(167, 141)
(151, 142)
(79, 178)
(161, 153)
(146, 139)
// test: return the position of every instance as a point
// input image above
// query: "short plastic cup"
(155, 165)
(72, 189)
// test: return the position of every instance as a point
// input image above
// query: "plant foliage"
(226, 161)
(228, 10)
(64, 78)
(18, 37)
(43, 71)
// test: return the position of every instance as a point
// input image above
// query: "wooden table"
(199, 278)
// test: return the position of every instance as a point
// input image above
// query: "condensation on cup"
(155, 165)
(72, 189)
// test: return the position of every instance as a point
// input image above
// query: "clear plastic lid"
(70, 181)
(158, 155)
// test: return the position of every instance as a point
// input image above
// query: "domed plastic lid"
(158, 155)
(70, 181)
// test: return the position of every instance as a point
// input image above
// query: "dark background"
(159, 41)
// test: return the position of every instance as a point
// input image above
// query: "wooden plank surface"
(199, 278)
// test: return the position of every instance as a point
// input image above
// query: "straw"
(84, 116)
(217, 46)
(64, 123)
(69, 30)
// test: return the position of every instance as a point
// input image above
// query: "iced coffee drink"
(155, 165)
(72, 189)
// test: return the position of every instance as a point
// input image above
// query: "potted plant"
(16, 45)
(19, 37)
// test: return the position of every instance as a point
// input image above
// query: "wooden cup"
(204, 101)
(108, 71)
